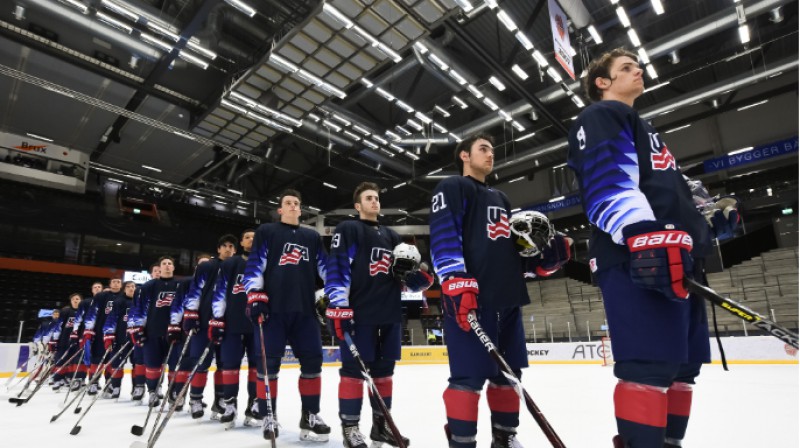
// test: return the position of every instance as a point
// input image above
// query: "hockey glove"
(554, 255)
(51, 346)
(108, 341)
(175, 333)
(460, 297)
(137, 336)
(74, 338)
(191, 321)
(340, 321)
(660, 257)
(418, 280)
(88, 336)
(216, 330)
(257, 305)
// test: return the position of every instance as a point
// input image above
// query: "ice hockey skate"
(270, 427)
(505, 438)
(228, 418)
(381, 433)
(251, 415)
(196, 408)
(313, 428)
(353, 437)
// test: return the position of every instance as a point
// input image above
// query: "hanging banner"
(561, 45)
(757, 154)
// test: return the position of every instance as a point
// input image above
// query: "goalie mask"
(406, 259)
(533, 232)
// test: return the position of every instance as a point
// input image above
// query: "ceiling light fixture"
(38, 137)
(623, 18)
(242, 6)
(507, 20)
(595, 35)
(752, 105)
(519, 72)
(460, 102)
(677, 129)
(497, 83)
(151, 168)
(657, 7)
(525, 137)
(523, 39)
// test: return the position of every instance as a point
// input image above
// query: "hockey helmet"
(533, 231)
(405, 259)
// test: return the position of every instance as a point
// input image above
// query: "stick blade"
(137, 430)
(75, 430)
(138, 444)
(54, 418)
(15, 400)
(77, 410)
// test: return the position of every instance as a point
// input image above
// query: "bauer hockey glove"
(137, 336)
(108, 341)
(460, 297)
(52, 346)
(340, 321)
(418, 280)
(257, 305)
(88, 337)
(74, 338)
(660, 256)
(191, 321)
(174, 333)
(554, 255)
(216, 331)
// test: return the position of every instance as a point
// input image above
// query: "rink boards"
(738, 350)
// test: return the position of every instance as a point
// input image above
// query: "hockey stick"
(17, 371)
(270, 413)
(41, 359)
(74, 375)
(95, 377)
(548, 430)
(42, 368)
(20, 401)
(157, 432)
(77, 428)
(44, 372)
(374, 390)
(139, 430)
(742, 312)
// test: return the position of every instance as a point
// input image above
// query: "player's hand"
(725, 218)
(175, 333)
(660, 257)
(340, 321)
(418, 280)
(460, 297)
(191, 321)
(137, 336)
(51, 346)
(108, 341)
(88, 336)
(257, 305)
(74, 338)
(554, 255)
(216, 330)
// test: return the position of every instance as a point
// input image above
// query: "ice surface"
(751, 406)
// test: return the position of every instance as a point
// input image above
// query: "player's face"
(130, 288)
(226, 250)
(480, 159)
(155, 272)
(115, 285)
(56, 315)
(290, 210)
(627, 80)
(74, 301)
(369, 207)
(97, 288)
(167, 268)
(247, 241)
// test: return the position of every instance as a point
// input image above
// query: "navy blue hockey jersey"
(152, 306)
(284, 262)
(470, 233)
(201, 290)
(101, 307)
(117, 320)
(626, 175)
(360, 272)
(230, 298)
(66, 323)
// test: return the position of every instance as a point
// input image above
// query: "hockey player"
(481, 272)
(647, 235)
(95, 318)
(60, 341)
(76, 337)
(148, 320)
(365, 302)
(196, 306)
(138, 370)
(231, 324)
(114, 330)
(280, 279)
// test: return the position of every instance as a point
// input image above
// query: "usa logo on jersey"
(498, 226)
(165, 299)
(238, 287)
(379, 261)
(293, 253)
(70, 322)
(660, 157)
(109, 307)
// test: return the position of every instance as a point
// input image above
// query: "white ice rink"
(751, 406)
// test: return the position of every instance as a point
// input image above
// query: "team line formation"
(652, 229)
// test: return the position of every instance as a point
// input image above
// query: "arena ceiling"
(245, 98)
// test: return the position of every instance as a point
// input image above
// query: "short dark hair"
(362, 187)
(466, 145)
(288, 192)
(227, 238)
(97, 282)
(166, 257)
(75, 294)
(600, 68)
(155, 265)
(125, 285)
(247, 231)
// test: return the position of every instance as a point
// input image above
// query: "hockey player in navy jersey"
(114, 330)
(138, 370)
(76, 337)
(365, 302)
(95, 319)
(60, 342)
(196, 306)
(233, 331)
(646, 236)
(280, 279)
(148, 322)
(481, 271)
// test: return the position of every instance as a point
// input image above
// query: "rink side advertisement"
(738, 350)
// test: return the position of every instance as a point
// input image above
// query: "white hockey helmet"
(405, 259)
(533, 231)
